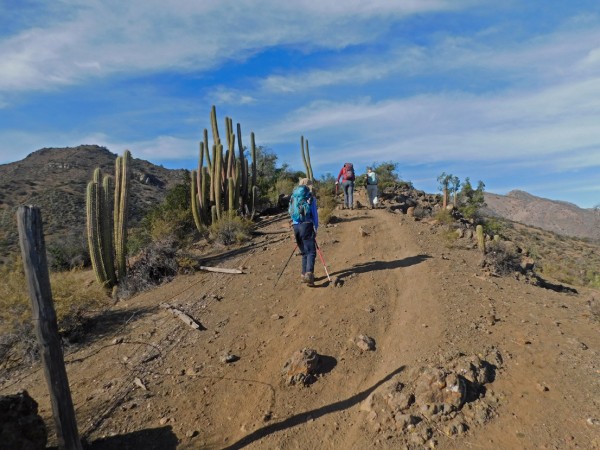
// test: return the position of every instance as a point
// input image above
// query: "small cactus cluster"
(106, 210)
(224, 185)
(306, 159)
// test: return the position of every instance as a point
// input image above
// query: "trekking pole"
(320, 252)
(286, 264)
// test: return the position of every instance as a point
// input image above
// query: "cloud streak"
(150, 35)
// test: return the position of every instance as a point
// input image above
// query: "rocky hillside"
(56, 178)
(559, 217)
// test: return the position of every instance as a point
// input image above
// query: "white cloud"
(555, 127)
(226, 96)
(100, 38)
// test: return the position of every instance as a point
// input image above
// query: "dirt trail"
(421, 302)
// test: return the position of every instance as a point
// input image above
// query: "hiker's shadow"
(373, 266)
(338, 219)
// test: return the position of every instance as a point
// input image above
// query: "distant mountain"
(559, 217)
(56, 178)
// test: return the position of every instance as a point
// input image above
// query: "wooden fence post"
(33, 249)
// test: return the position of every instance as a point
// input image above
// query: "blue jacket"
(314, 213)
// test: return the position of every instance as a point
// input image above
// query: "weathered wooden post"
(33, 249)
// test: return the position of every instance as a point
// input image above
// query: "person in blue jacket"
(305, 224)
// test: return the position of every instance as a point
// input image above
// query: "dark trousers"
(307, 244)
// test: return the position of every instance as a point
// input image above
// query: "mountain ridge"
(560, 217)
(55, 179)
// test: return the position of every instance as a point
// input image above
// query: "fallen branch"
(220, 269)
(184, 317)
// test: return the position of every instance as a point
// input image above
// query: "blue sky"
(505, 92)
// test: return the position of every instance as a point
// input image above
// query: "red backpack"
(349, 172)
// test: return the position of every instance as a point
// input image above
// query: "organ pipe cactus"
(106, 218)
(223, 184)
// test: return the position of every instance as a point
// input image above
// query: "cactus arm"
(108, 187)
(194, 200)
(309, 165)
(93, 232)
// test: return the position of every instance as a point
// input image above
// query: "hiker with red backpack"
(305, 221)
(347, 176)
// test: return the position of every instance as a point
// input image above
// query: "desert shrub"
(283, 185)
(68, 253)
(155, 264)
(170, 221)
(493, 226)
(449, 237)
(444, 216)
(593, 279)
(501, 258)
(231, 229)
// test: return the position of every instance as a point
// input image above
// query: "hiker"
(371, 184)
(305, 220)
(347, 176)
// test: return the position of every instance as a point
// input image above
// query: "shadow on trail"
(381, 265)
(337, 219)
(315, 414)
(162, 438)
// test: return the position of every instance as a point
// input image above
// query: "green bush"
(171, 220)
(444, 216)
(231, 229)
(493, 226)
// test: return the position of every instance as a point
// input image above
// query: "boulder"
(302, 367)
(435, 386)
(20, 425)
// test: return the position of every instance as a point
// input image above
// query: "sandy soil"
(147, 380)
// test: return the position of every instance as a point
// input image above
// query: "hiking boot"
(309, 278)
(303, 278)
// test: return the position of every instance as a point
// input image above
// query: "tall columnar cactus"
(108, 187)
(480, 238)
(106, 211)
(195, 201)
(306, 158)
(224, 184)
(94, 230)
(217, 172)
(122, 181)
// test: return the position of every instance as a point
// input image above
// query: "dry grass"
(231, 229)
(76, 295)
(326, 203)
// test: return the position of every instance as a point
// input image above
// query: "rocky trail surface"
(413, 347)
